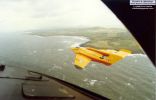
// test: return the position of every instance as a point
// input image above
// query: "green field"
(101, 38)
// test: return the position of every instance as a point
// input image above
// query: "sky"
(24, 15)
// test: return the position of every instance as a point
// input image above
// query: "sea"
(133, 78)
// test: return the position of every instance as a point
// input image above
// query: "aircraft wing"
(81, 61)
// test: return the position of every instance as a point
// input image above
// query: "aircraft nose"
(72, 48)
(75, 49)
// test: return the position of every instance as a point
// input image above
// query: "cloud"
(22, 15)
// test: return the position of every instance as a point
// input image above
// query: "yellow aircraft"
(86, 54)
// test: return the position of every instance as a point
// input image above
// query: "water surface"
(130, 79)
